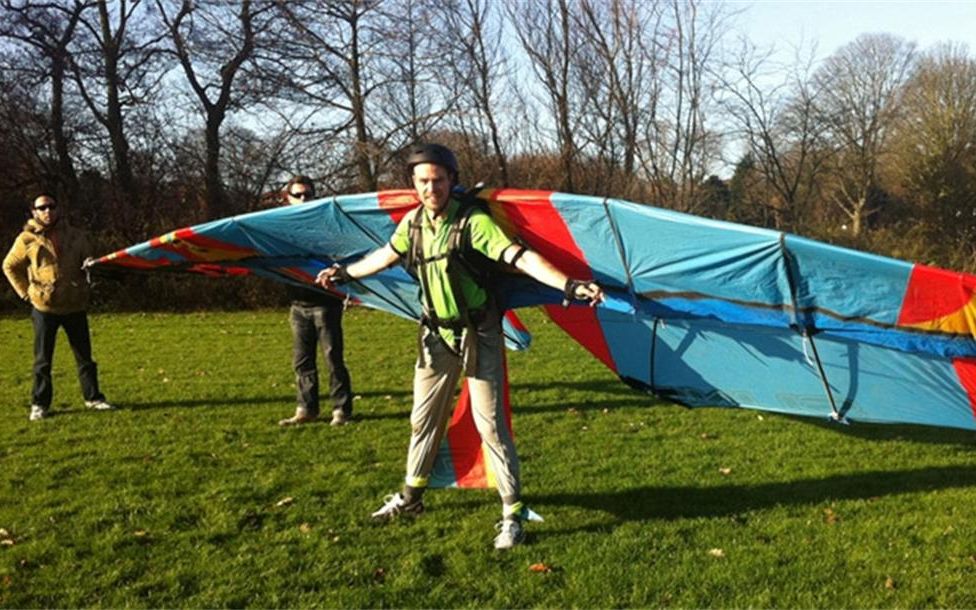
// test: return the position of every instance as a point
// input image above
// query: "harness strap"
(469, 336)
(430, 259)
(518, 255)
(465, 332)
(415, 255)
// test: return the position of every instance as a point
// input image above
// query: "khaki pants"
(435, 379)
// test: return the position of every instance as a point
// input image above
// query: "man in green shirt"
(461, 331)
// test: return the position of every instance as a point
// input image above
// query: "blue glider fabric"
(702, 312)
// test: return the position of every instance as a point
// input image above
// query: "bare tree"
(114, 72)
(28, 150)
(212, 40)
(325, 66)
(413, 54)
(861, 84)
(370, 70)
(618, 69)
(935, 143)
(478, 72)
(778, 125)
(678, 146)
(545, 31)
(48, 28)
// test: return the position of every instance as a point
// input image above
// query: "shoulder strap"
(415, 249)
(457, 240)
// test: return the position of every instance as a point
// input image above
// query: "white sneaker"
(339, 418)
(38, 412)
(300, 417)
(99, 405)
(394, 506)
(510, 533)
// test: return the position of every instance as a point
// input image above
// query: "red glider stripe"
(467, 455)
(935, 293)
(966, 370)
(581, 324)
(397, 203)
(515, 322)
(541, 226)
(465, 444)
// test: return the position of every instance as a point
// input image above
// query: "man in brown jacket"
(44, 266)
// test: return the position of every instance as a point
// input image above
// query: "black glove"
(341, 276)
(569, 291)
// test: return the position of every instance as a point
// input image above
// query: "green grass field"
(191, 496)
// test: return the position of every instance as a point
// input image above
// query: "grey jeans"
(435, 379)
(312, 326)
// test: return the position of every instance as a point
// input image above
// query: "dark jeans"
(45, 333)
(319, 324)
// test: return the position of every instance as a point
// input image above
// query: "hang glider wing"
(701, 312)
(731, 315)
(292, 244)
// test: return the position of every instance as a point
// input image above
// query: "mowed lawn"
(192, 496)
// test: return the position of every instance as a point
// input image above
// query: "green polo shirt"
(485, 236)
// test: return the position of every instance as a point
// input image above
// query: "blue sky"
(835, 23)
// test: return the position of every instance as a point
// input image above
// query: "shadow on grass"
(895, 432)
(203, 402)
(236, 401)
(610, 386)
(648, 503)
(612, 395)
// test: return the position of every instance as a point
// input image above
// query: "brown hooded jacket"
(44, 267)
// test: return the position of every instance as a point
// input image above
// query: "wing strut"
(653, 350)
(376, 240)
(807, 331)
(620, 251)
(379, 242)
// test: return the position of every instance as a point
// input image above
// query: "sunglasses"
(303, 195)
(45, 207)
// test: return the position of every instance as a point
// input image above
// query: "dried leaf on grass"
(725, 471)
(540, 568)
(830, 517)
(285, 501)
(305, 528)
(716, 552)
(890, 583)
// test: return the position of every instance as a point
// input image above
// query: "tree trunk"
(67, 178)
(114, 120)
(215, 200)
(366, 176)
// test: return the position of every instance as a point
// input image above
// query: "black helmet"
(438, 154)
